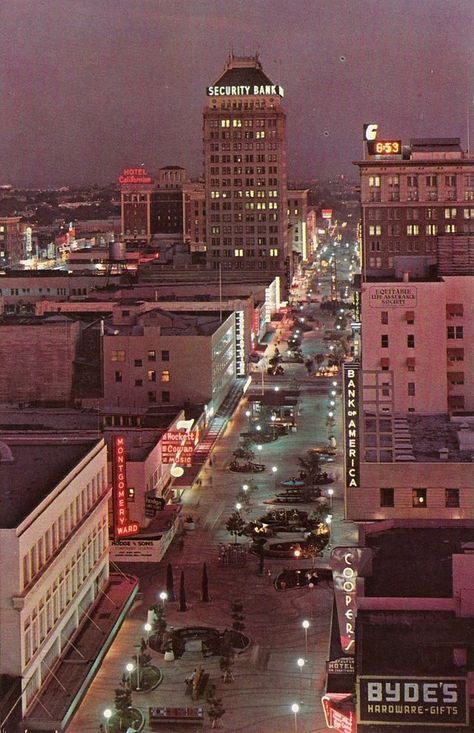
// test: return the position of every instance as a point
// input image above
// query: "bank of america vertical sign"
(352, 425)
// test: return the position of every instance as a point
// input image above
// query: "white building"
(53, 569)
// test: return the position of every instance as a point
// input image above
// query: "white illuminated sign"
(245, 90)
(370, 131)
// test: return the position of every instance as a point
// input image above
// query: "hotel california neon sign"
(123, 526)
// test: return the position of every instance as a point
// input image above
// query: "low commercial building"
(159, 357)
(55, 588)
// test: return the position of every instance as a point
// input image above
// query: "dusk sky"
(91, 86)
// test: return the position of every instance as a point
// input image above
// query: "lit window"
(238, 252)
(151, 375)
(419, 498)
(118, 355)
(151, 355)
(165, 376)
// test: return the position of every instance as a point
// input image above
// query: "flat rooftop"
(418, 438)
(37, 467)
(396, 643)
(415, 562)
(179, 323)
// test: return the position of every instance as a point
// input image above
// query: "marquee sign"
(135, 176)
(245, 90)
(392, 296)
(351, 386)
(123, 526)
(326, 213)
(412, 701)
(343, 665)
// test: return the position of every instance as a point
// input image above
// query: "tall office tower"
(244, 129)
(409, 401)
(412, 199)
(297, 222)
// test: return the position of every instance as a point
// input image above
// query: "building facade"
(160, 357)
(420, 328)
(244, 138)
(12, 242)
(297, 222)
(410, 201)
(54, 551)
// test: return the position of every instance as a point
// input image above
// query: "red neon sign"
(123, 527)
(135, 175)
(339, 713)
(177, 447)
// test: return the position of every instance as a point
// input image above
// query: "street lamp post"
(330, 494)
(137, 656)
(147, 628)
(107, 716)
(295, 708)
(129, 668)
(274, 471)
(300, 663)
(305, 626)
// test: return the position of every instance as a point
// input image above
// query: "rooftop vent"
(6, 455)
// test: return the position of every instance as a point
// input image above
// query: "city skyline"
(84, 99)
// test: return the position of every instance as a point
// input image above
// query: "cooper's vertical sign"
(351, 425)
(123, 527)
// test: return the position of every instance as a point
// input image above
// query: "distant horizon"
(105, 84)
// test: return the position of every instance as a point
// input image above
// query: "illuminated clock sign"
(135, 176)
(123, 526)
(245, 90)
(384, 147)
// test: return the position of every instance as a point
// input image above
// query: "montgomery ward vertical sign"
(351, 425)
(123, 527)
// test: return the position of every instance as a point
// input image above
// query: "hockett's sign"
(245, 90)
(123, 526)
(412, 701)
(403, 296)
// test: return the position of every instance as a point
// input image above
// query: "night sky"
(90, 86)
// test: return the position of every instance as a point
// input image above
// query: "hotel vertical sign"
(352, 425)
(123, 527)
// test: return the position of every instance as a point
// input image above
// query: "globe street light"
(147, 628)
(129, 668)
(163, 597)
(330, 494)
(107, 716)
(238, 506)
(274, 471)
(306, 626)
(295, 708)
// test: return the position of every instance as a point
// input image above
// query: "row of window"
(262, 103)
(430, 181)
(410, 341)
(260, 158)
(420, 498)
(429, 213)
(375, 196)
(119, 355)
(151, 377)
(46, 546)
(215, 147)
(243, 122)
(62, 591)
(396, 245)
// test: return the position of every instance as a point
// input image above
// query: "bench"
(179, 716)
(199, 687)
